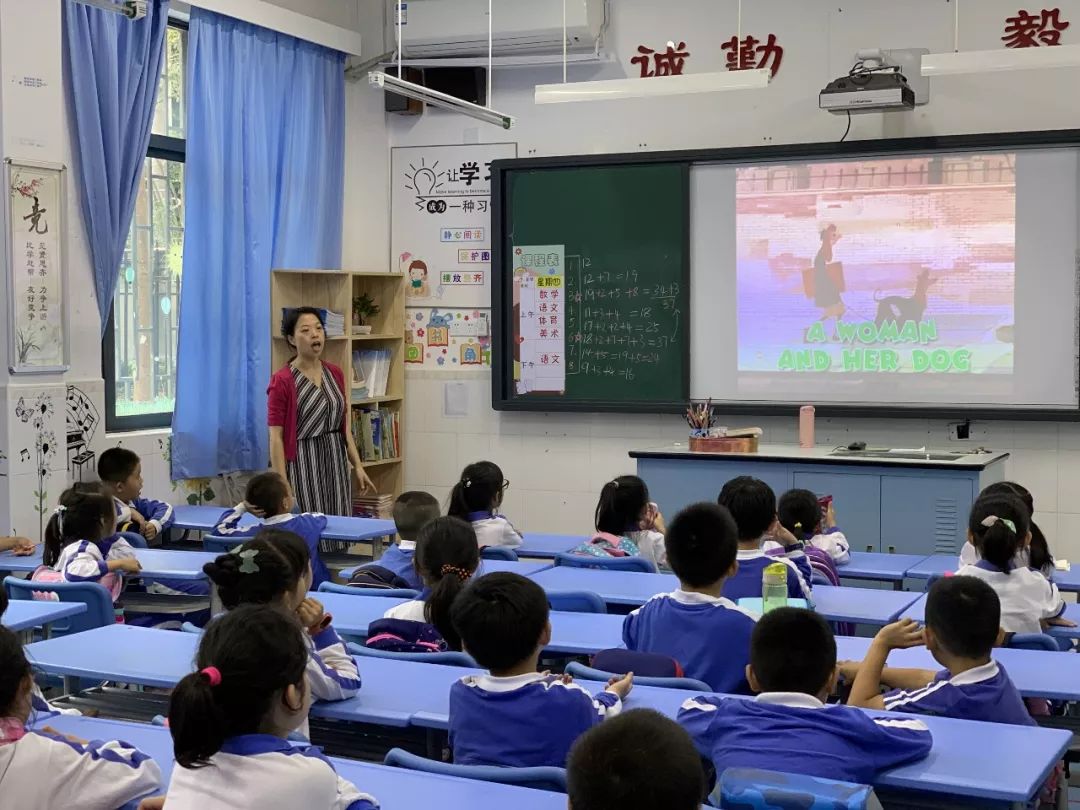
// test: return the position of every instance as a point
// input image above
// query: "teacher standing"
(311, 445)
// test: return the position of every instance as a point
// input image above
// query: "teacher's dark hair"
(246, 660)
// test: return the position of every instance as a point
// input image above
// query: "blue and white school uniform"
(1026, 596)
(984, 693)
(331, 672)
(309, 526)
(157, 513)
(38, 769)
(265, 772)
(709, 636)
(795, 732)
(399, 559)
(832, 541)
(411, 611)
(492, 529)
(747, 581)
(522, 721)
(83, 561)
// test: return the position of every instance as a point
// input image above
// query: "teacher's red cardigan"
(281, 404)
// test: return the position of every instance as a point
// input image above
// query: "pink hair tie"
(213, 674)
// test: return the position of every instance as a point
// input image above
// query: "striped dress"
(320, 474)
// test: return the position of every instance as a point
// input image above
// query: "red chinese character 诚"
(751, 52)
(669, 62)
(1029, 31)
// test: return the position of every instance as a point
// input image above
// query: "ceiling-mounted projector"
(877, 83)
(133, 9)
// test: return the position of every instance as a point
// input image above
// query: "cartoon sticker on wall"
(471, 354)
(416, 271)
(448, 338)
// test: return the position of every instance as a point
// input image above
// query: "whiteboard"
(36, 214)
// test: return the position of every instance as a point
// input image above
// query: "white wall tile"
(1037, 470)
(559, 512)
(1068, 468)
(431, 459)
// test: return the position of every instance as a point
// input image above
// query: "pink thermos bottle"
(806, 426)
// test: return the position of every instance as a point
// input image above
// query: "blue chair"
(751, 787)
(498, 553)
(188, 627)
(579, 670)
(134, 539)
(606, 563)
(99, 606)
(221, 545)
(391, 593)
(576, 601)
(549, 779)
(1034, 641)
(451, 658)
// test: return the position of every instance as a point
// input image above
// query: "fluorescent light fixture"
(378, 78)
(615, 89)
(1000, 59)
(134, 9)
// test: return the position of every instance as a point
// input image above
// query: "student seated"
(1036, 554)
(274, 569)
(706, 633)
(476, 498)
(120, 471)
(446, 558)
(639, 760)
(268, 496)
(627, 524)
(963, 618)
(514, 715)
(788, 727)
(999, 528)
(230, 720)
(43, 769)
(412, 512)
(799, 513)
(753, 505)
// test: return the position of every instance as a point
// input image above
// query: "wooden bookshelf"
(335, 290)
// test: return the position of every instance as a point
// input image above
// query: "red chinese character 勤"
(1026, 30)
(751, 52)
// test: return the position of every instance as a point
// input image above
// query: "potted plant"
(364, 308)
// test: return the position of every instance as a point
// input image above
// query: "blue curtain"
(264, 190)
(113, 69)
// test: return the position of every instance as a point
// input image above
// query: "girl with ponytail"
(476, 498)
(235, 712)
(627, 524)
(446, 558)
(999, 528)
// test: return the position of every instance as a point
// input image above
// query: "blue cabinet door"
(677, 483)
(924, 513)
(856, 499)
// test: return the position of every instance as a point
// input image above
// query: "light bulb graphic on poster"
(441, 222)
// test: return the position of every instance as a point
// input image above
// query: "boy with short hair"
(513, 715)
(753, 505)
(708, 634)
(269, 498)
(120, 471)
(788, 727)
(412, 512)
(639, 760)
(963, 616)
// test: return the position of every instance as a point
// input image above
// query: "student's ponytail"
(83, 514)
(447, 557)
(246, 659)
(479, 489)
(260, 571)
(1039, 556)
(800, 513)
(621, 504)
(999, 524)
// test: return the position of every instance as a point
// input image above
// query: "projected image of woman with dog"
(903, 265)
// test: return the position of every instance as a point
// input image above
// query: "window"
(139, 349)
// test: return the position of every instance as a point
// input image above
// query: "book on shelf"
(374, 506)
(333, 322)
(371, 371)
(377, 433)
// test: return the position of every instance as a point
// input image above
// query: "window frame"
(162, 147)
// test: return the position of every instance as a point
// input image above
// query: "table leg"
(71, 684)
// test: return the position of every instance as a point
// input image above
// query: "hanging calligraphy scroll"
(36, 215)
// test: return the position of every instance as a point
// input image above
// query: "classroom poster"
(539, 309)
(36, 224)
(447, 339)
(440, 222)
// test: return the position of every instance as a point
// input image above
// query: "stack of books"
(374, 506)
(371, 370)
(377, 434)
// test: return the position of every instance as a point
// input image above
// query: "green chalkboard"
(592, 287)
